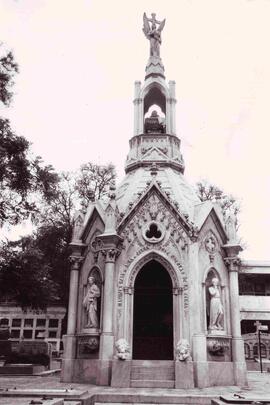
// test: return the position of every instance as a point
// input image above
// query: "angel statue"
(153, 33)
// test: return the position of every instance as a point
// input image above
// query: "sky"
(78, 62)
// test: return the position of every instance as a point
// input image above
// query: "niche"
(92, 300)
(214, 302)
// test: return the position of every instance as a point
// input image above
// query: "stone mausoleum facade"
(154, 298)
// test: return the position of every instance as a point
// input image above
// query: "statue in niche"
(216, 307)
(153, 33)
(154, 123)
(90, 303)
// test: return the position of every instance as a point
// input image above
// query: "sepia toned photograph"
(134, 202)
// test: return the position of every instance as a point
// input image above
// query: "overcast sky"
(79, 59)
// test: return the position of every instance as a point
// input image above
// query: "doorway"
(153, 314)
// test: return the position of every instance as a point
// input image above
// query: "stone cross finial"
(257, 324)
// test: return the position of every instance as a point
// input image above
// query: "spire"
(154, 139)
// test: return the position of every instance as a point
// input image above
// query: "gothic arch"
(138, 263)
(180, 327)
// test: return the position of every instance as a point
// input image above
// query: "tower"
(154, 271)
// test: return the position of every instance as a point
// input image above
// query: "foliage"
(228, 203)
(25, 277)
(93, 182)
(8, 68)
(21, 178)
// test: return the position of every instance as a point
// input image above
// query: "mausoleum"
(154, 271)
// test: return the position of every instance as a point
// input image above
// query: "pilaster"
(233, 263)
(110, 248)
(70, 338)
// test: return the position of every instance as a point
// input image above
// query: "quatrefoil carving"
(153, 232)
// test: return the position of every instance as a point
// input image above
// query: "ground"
(259, 384)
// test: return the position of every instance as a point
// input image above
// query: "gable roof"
(172, 206)
(207, 209)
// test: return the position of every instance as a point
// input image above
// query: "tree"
(8, 69)
(25, 277)
(35, 270)
(21, 176)
(93, 182)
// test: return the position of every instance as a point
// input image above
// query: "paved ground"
(258, 384)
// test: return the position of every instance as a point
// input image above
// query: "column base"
(240, 374)
(121, 372)
(239, 363)
(106, 346)
(184, 374)
(201, 376)
(68, 358)
(104, 372)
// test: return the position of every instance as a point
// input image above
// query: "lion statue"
(183, 350)
(123, 349)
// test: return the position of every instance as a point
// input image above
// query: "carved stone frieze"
(87, 345)
(218, 345)
(154, 210)
(176, 272)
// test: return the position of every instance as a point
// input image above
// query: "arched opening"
(153, 314)
(154, 111)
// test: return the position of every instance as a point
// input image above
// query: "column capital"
(110, 254)
(233, 263)
(76, 262)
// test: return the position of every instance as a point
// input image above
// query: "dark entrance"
(153, 314)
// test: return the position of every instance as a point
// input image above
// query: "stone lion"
(183, 350)
(123, 349)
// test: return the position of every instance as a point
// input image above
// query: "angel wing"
(161, 25)
(146, 26)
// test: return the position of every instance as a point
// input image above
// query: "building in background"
(36, 324)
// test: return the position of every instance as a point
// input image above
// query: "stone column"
(110, 250)
(70, 338)
(106, 344)
(172, 106)
(199, 352)
(136, 102)
(238, 354)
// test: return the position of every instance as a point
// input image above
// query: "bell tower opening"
(154, 120)
(153, 314)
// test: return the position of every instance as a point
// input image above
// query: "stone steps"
(152, 374)
(152, 383)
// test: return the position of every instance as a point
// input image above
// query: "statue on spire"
(153, 33)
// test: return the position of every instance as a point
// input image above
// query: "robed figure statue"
(216, 307)
(90, 303)
(153, 33)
